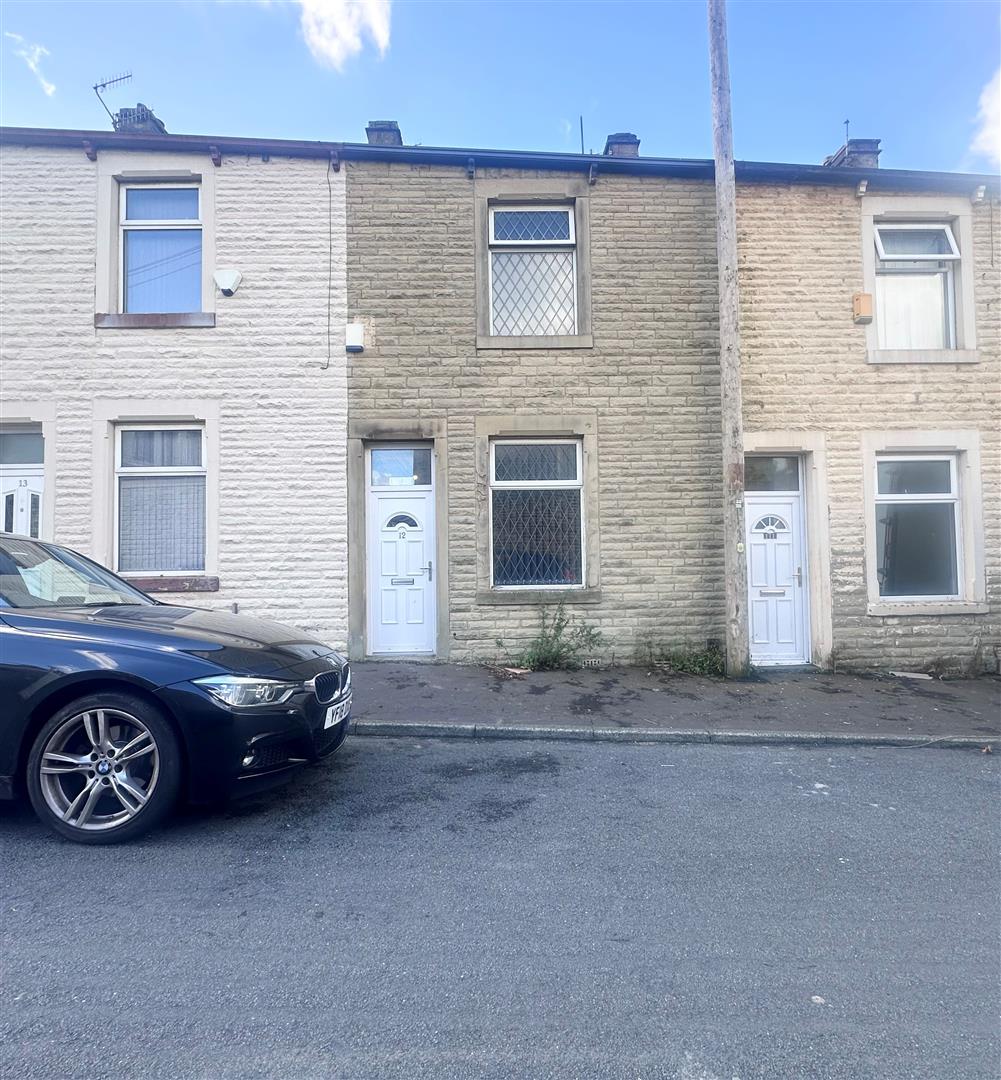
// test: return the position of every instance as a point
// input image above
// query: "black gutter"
(678, 168)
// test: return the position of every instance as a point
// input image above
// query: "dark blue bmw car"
(114, 706)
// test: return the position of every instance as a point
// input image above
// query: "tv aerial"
(100, 87)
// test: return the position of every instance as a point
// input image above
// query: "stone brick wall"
(804, 365)
(652, 378)
(282, 406)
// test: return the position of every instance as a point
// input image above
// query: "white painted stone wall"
(270, 367)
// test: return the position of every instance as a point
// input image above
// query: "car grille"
(273, 756)
(327, 686)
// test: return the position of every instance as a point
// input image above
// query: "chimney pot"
(384, 133)
(622, 144)
(855, 154)
(139, 121)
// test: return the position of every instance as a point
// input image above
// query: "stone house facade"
(454, 388)
(873, 454)
(202, 452)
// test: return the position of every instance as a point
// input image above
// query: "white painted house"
(193, 441)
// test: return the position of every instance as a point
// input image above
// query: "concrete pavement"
(650, 704)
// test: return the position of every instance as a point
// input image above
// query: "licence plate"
(336, 713)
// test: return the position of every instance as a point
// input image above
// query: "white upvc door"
(777, 583)
(401, 558)
(21, 498)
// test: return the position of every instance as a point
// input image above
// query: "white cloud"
(987, 140)
(32, 56)
(334, 29)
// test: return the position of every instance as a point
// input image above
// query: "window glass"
(537, 537)
(401, 467)
(161, 204)
(771, 473)
(161, 523)
(158, 449)
(916, 549)
(535, 461)
(21, 448)
(532, 225)
(532, 293)
(163, 270)
(913, 477)
(912, 310)
(33, 576)
(904, 242)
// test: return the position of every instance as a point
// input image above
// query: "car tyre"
(104, 769)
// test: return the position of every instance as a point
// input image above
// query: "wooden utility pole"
(734, 557)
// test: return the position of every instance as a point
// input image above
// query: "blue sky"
(922, 76)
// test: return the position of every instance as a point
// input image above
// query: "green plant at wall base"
(684, 660)
(561, 644)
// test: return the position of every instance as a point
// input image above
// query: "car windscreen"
(37, 576)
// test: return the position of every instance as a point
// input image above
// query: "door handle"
(799, 576)
(430, 570)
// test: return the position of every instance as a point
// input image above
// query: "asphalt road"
(458, 909)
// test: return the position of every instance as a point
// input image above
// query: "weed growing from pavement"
(562, 642)
(686, 660)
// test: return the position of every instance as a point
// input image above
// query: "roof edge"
(690, 168)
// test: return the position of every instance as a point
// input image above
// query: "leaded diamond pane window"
(536, 513)
(532, 292)
(535, 461)
(532, 226)
(533, 272)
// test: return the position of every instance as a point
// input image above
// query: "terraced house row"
(408, 397)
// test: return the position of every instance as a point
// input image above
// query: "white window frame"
(143, 225)
(504, 208)
(949, 284)
(951, 497)
(915, 226)
(174, 470)
(547, 485)
(964, 445)
(950, 212)
(532, 245)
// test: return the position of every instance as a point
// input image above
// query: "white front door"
(401, 552)
(776, 579)
(21, 498)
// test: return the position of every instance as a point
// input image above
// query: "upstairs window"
(533, 271)
(536, 519)
(160, 500)
(917, 527)
(160, 249)
(915, 285)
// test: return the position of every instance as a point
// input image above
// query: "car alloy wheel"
(99, 769)
(104, 768)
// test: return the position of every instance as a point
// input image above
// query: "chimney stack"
(855, 154)
(138, 121)
(622, 144)
(384, 133)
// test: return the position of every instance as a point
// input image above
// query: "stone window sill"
(190, 584)
(188, 319)
(932, 607)
(923, 356)
(555, 341)
(538, 596)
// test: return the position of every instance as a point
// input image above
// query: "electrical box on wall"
(862, 308)
(354, 337)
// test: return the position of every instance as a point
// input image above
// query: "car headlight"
(243, 690)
